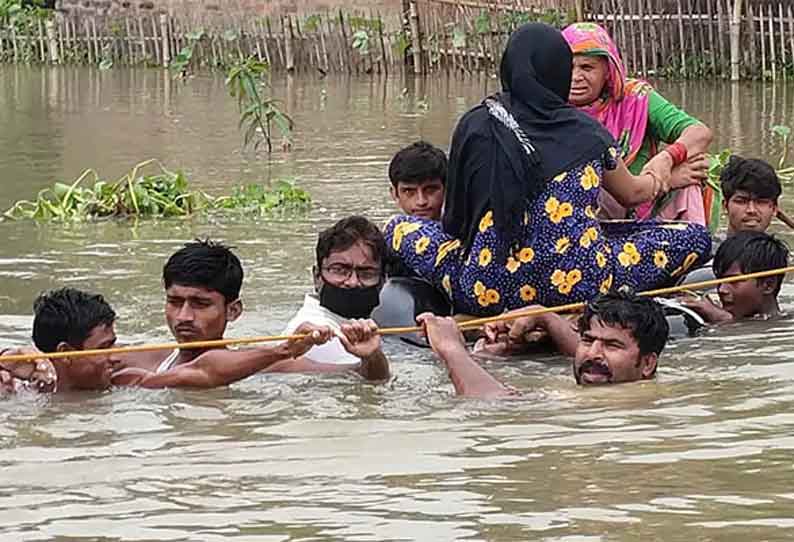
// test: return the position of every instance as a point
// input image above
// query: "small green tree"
(258, 110)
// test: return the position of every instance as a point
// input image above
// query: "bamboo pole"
(791, 32)
(52, 41)
(763, 41)
(98, 50)
(164, 34)
(712, 46)
(62, 27)
(681, 38)
(42, 49)
(643, 49)
(155, 40)
(344, 43)
(654, 60)
(91, 52)
(416, 38)
(286, 28)
(142, 36)
(468, 324)
(782, 40)
(382, 45)
(772, 49)
(751, 32)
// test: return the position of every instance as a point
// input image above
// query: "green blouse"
(666, 123)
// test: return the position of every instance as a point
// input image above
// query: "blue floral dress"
(564, 254)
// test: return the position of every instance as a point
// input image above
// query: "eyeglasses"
(339, 272)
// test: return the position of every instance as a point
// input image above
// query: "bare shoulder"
(148, 361)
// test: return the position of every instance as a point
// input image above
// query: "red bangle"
(678, 153)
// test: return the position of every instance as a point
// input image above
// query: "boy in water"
(750, 189)
(418, 175)
(741, 253)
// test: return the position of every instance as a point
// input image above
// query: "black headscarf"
(488, 167)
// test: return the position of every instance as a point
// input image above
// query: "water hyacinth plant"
(158, 193)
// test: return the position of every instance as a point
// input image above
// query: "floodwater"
(702, 453)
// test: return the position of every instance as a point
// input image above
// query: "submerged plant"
(258, 110)
(159, 194)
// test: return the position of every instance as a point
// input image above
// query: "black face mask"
(350, 302)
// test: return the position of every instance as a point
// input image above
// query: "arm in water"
(222, 367)
(469, 379)
(360, 338)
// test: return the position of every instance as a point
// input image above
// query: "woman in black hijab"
(519, 223)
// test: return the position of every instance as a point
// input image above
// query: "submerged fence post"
(580, 11)
(52, 41)
(164, 35)
(416, 38)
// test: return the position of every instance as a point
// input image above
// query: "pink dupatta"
(623, 110)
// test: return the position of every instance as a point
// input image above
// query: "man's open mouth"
(594, 372)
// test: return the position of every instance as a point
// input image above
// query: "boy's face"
(747, 212)
(94, 372)
(746, 297)
(423, 199)
(194, 313)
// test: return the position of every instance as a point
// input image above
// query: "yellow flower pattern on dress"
(558, 211)
(589, 212)
(445, 248)
(561, 177)
(688, 261)
(589, 178)
(601, 260)
(589, 236)
(565, 281)
(479, 288)
(447, 284)
(421, 244)
(528, 293)
(526, 255)
(562, 245)
(401, 230)
(660, 259)
(486, 221)
(629, 256)
(606, 284)
(512, 264)
(485, 257)
(492, 296)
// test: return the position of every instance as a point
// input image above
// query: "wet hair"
(418, 162)
(753, 251)
(346, 233)
(205, 264)
(641, 315)
(750, 175)
(68, 315)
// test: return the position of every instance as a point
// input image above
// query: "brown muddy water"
(705, 452)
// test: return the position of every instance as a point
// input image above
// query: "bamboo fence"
(677, 38)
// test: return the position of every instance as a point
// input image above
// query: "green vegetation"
(23, 19)
(158, 194)
(258, 110)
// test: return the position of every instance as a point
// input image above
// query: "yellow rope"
(470, 324)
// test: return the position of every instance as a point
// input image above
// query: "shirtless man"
(68, 320)
(202, 296)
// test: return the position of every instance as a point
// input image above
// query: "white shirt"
(312, 312)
